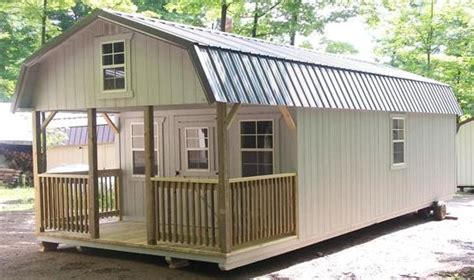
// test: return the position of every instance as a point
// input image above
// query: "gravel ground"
(404, 247)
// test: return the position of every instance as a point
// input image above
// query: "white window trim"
(257, 149)
(156, 146)
(186, 149)
(127, 92)
(402, 165)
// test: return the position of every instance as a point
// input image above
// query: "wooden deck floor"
(126, 232)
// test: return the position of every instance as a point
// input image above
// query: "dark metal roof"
(245, 70)
(77, 135)
(237, 69)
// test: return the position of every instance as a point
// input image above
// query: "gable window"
(138, 149)
(256, 143)
(197, 148)
(113, 66)
(112, 59)
(398, 141)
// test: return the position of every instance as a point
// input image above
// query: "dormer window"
(113, 66)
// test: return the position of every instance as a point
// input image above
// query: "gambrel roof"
(237, 69)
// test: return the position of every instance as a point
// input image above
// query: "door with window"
(197, 150)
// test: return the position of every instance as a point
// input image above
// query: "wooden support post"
(111, 123)
(231, 116)
(45, 123)
(93, 181)
(150, 173)
(287, 117)
(223, 190)
(44, 162)
(37, 169)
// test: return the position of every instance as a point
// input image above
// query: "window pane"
(249, 170)
(109, 84)
(265, 157)
(247, 128)
(138, 130)
(265, 169)
(264, 127)
(118, 47)
(191, 143)
(118, 59)
(249, 157)
(398, 123)
(398, 134)
(106, 48)
(109, 73)
(398, 147)
(198, 160)
(265, 142)
(120, 83)
(248, 142)
(107, 60)
(138, 142)
(398, 158)
(138, 162)
(119, 72)
(191, 133)
(202, 133)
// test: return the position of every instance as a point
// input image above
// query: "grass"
(16, 199)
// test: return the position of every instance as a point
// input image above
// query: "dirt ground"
(404, 247)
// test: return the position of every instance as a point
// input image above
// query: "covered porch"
(197, 216)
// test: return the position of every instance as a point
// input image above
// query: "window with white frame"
(113, 66)
(197, 148)
(138, 148)
(398, 141)
(256, 144)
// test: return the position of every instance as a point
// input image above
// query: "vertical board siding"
(170, 159)
(161, 73)
(344, 173)
(465, 155)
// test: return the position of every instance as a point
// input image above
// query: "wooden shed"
(232, 149)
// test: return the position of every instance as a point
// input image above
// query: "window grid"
(202, 148)
(140, 147)
(398, 141)
(260, 139)
(113, 65)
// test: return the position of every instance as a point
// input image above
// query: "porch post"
(93, 197)
(37, 169)
(223, 189)
(150, 173)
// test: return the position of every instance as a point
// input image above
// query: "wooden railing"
(64, 203)
(186, 211)
(64, 199)
(262, 208)
(109, 193)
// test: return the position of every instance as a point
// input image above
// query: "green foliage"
(340, 47)
(436, 42)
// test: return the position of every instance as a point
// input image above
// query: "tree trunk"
(294, 22)
(223, 15)
(255, 20)
(43, 22)
(430, 39)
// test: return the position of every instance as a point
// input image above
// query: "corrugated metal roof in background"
(77, 135)
(252, 71)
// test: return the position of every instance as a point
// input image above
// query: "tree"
(339, 47)
(435, 41)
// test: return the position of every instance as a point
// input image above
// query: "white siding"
(344, 172)
(170, 160)
(465, 155)
(161, 73)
